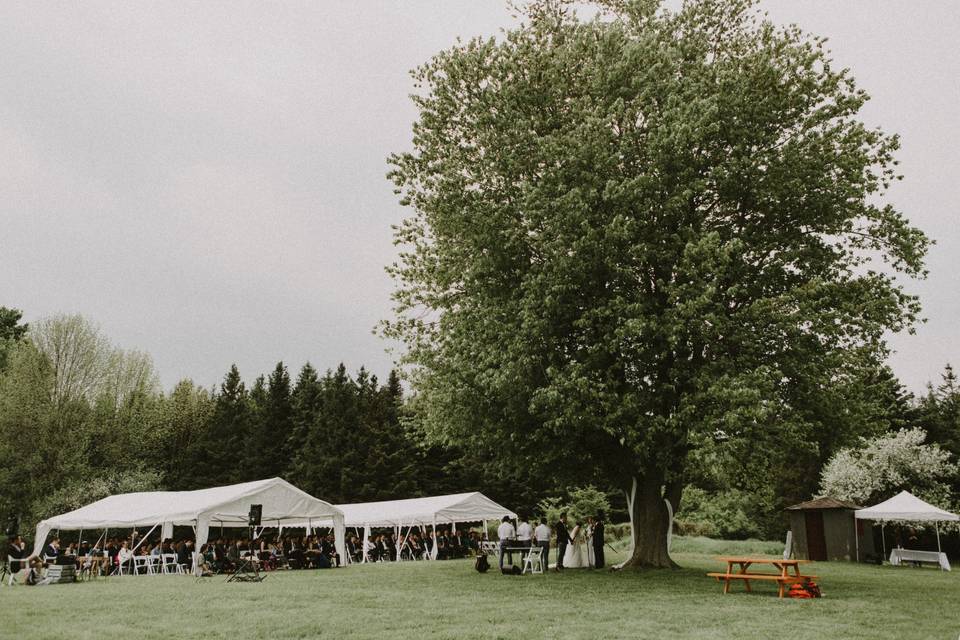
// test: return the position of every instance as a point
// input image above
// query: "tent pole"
(883, 541)
(433, 550)
(937, 527)
(856, 537)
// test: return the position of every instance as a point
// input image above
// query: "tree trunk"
(649, 520)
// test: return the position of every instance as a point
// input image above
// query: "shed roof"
(823, 503)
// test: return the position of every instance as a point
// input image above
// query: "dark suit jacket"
(563, 536)
(598, 535)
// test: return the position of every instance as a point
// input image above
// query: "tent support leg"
(883, 542)
(856, 539)
(937, 527)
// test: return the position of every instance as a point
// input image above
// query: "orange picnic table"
(782, 576)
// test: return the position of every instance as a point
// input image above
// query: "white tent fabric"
(458, 507)
(227, 506)
(420, 512)
(905, 506)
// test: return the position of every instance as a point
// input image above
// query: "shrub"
(727, 514)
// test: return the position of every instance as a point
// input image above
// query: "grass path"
(450, 600)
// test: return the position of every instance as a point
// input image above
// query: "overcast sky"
(207, 180)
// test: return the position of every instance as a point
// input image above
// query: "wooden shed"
(825, 529)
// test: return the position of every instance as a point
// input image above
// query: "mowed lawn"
(450, 600)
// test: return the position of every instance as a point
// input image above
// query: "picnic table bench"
(782, 577)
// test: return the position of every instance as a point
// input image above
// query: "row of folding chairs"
(165, 563)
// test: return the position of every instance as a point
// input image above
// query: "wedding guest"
(16, 550)
(542, 536)
(125, 556)
(51, 551)
(507, 535)
(524, 532)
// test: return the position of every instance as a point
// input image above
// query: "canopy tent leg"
(936, 526)
(364, 547)
(883, 542)
(856, 538)
(433, 550)
(483, 534)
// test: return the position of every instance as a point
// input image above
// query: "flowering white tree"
(885, 465)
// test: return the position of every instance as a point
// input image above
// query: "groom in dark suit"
(598, 541)
(563, 539)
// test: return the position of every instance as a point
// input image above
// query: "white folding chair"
(143, 562)
(10, 573)
(533, 560)
(169, 564)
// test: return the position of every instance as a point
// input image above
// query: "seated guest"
(329, 550)
(16, 550)
(51, 551)
(352, 549)
(125, 556)
(383, 549)
(205, 558)
(185, 554)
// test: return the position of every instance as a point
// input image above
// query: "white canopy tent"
(227, 506)
(904, 506)
(420, 512)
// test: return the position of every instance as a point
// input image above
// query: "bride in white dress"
(579, 554)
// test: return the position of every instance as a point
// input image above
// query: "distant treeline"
(81, 419)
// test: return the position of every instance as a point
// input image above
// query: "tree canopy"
(641, 235)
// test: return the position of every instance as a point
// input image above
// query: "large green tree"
(637, 235)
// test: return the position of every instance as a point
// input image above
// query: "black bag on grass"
(482, 564)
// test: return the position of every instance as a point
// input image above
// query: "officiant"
(597, 538)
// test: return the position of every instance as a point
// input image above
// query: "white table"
(901, 556)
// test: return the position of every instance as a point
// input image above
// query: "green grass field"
(450, 600)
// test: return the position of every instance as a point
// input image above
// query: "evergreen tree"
(306, 404)
(218, 455)
(276, 423)
(323, 465)
(939, 413)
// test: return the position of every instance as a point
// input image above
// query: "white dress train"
(578, 555)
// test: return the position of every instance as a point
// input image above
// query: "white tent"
(420, 512)
(904, 506)
(224, 506)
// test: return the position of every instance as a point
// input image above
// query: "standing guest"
(598, 541)
(507, 534)
(563, 539)
(542, 536)
(524, 532)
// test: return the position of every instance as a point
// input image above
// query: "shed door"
(816, 543)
